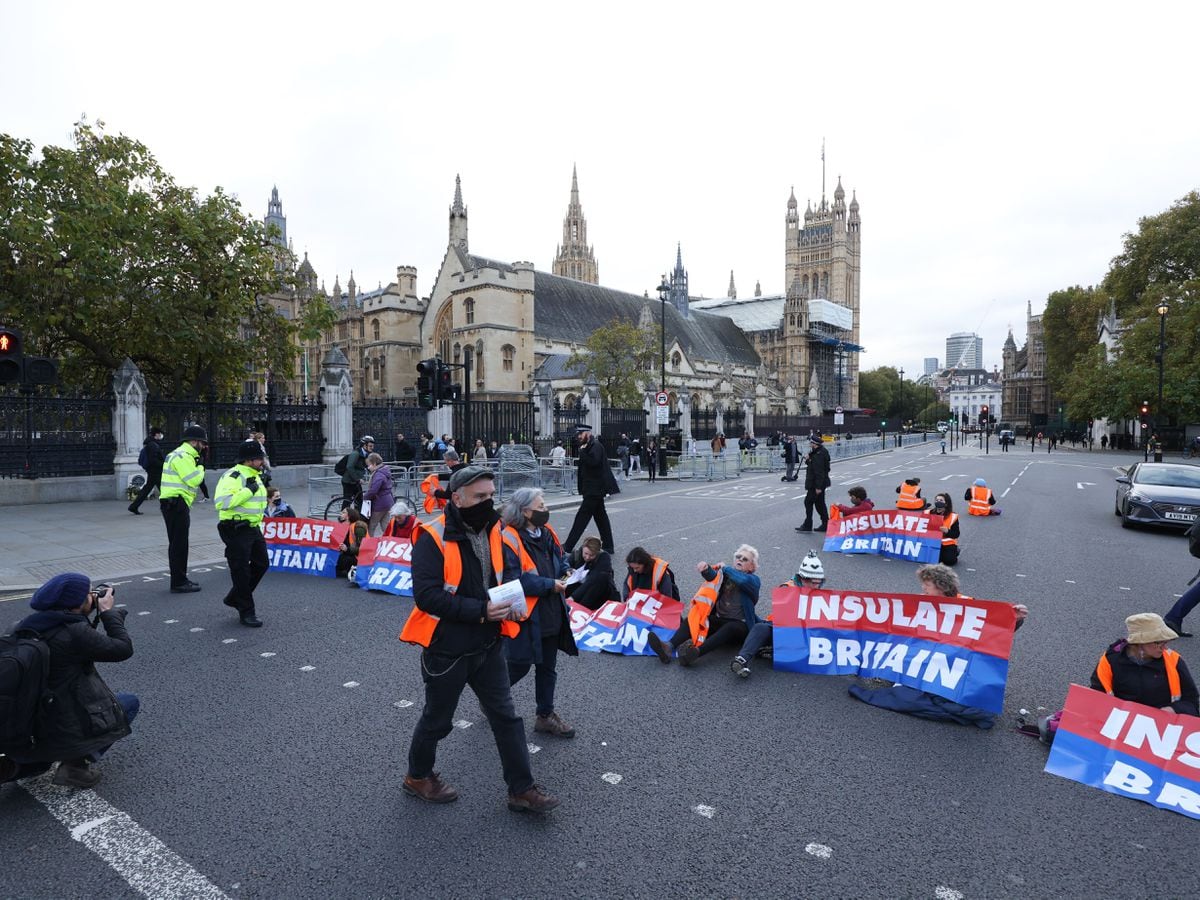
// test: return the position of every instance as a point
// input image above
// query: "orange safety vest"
(908, 498)
(702, 606)
(1104, 673)
(980, 501)
(516, 545)
(428, 486)
(948, 522)
(656, 576)
(421, 625)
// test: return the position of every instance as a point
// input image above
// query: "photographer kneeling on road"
(85, 717)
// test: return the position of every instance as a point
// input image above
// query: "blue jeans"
(129, 703)
(1184, 604)
(761, 635)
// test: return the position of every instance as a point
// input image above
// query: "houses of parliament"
(794, 353)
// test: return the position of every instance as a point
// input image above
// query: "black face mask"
(478, 515)
(539, 517)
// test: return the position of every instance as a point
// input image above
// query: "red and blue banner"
(625, 627)
(304, 546)
(898, 533)
(385, 564)
(955, 647)
(1129, 749)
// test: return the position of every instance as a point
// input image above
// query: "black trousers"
(178, 517)
(545, 675)
(153, 480)
(591, 508)
(720, 632)
(487, 674)
(352, 494)
(246, 555)
(814, 499)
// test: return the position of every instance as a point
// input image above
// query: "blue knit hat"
(66, 591)
(979, 482)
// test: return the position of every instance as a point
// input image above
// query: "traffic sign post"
(839, 418)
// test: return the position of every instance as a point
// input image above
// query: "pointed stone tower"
(678, 281)
(573, 258)
(458, 218)
(732, 293)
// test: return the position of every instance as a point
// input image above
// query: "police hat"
(250, 450)
(195, 433)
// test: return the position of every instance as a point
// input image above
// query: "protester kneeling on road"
(722, 611)
(1141, 668)
(648, 573)
(85, 717)
(950, 530)
(761, 639)
(598, 586)
(858, 502)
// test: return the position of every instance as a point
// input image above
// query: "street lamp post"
(900, 427)
(1162, 347)
(663, 290)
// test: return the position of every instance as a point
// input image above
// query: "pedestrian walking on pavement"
(791, 457)
(241, 502)
(151, 459)
(596, 481)
(816, 481)
(652, 459)
(456, 559)
(182, 476)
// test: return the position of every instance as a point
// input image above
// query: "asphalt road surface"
(268, 763)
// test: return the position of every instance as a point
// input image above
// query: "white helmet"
(811, 568)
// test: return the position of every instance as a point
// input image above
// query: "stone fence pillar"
(748, 412)
(129, 422)
(592, 403)
(685, 417)
(543, 408)
(337, 416)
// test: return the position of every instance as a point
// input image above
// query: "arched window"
(805, 283)
(508, 353)
(676, 361)
(569, 401)
(441, 333)
(374, 329)
(479, 363)
(469, 308)
(375, 366)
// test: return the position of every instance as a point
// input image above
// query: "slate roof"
(555, 368)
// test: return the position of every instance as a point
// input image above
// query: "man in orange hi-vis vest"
(981, 499)
(455, 560)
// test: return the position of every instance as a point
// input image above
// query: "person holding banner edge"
(545, 630)
(1142, 669)
(648, 573)
(721, 613)
(809, 577)
(951, 532)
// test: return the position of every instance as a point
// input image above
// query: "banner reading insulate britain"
(625, 627)
(898, 533)
(304, 546)
(385, 564)
(955, 647)
(1129, 749)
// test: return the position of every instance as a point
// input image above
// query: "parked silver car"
(1159, 494)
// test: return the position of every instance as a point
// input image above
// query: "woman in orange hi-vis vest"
(950, 530)
(722, 611)
(1141, 668)
(981, 499)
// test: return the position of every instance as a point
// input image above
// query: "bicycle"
(1189, 451)
(337, 502)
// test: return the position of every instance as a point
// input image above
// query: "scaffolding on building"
(829, 328)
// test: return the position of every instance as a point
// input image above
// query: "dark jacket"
(464, 627)
(547, 555)
(904, 699)
(84, 715)
(154, 456)
(598, 587)
(356, 467)
(443, 493)
(404, 451)
(816, 475)
(641, 582)
(595, 477)
(790, 453)
(1146, 683)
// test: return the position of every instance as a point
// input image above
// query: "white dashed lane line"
(229, 641)
(611, 777)
(350, 684)
(402, 704)
(820, 851)
(266, 655)
(707, 811)
(307, 668)
(462, 723)
(533, 748)
(944, 893)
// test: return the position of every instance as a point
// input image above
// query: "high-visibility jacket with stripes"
(981, 501)
(702, 607)
(181, 474)
(234, 500)
(910, 497)
(1104, 673)
(948, 523)
(656, 576)
(428, 486)
(421, 625)
(526, 563)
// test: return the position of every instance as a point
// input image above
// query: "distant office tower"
(964, 351)
(931, 365)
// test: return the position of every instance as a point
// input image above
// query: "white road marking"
(194, 630)
(1080, 484)
(820, 851)
(266, 655)
(1124, 589)
(707, 811)
(945, 893)
(462, 723)
(1019, 575)
(604, 743)
(146, 863)
(307, 668)
(229, 641)
(1069, 581)
(170, 621)
(533, 748)
(119, 605)
(970, 570)
(611, 777)
(350, 684)
(144, 613)
(402, 704)
(1005, 494)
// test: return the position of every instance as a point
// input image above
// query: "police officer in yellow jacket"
(182, 476)
(241, 502)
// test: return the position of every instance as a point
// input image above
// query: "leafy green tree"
(1070, 329)
(877, 389)
(103, 256)
(1163, 253)
(619, 356)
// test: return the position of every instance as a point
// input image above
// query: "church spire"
(732, 295)
(574, 257)
(679, 284)
(458, 218)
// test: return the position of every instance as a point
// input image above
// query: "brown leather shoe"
(688, 653)
(76, 773)
(533, 800)
(660, 647)
(553, 724)
(431, 789)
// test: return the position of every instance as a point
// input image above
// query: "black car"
(1159, 494)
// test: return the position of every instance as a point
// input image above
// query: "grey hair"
(941, 577)
(401, 510)
(513, 511)
(751, 552)
(451, 455)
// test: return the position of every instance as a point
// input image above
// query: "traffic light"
(983, 415)
(446, 392)
(427, 382)
(883, 424)
(10, 356)
(1145, 414)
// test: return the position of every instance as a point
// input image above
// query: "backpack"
(24, 666)
(144, 457)
(339, 467)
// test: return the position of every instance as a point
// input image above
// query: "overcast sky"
(998, 152)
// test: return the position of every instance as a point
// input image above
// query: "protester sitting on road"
(722, 611)
(858, 502)
(910, 495)
(276, 508)
(936, 581)
(598, 586)
(545, 630)
(80, 718)
(348, 557)
(950, 530)
(761, 639)
(402, 522)
(1141, 668)
(648, 573)
(981, 499)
